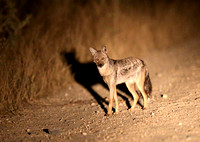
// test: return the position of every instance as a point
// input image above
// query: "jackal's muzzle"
(99, 63)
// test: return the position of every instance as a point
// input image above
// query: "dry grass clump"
(33, 34)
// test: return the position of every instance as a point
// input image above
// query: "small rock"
(152, 114)
(66, 94)
(96, 111)
(84, 133)
(159, 74)
(28, 131)
(93, 104)
(188, 138)
(64, 107)
(107, 137)
(46, 131)
(55, 132)
(179, 123)
(164, 96)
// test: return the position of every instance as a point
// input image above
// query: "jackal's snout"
(99, 63)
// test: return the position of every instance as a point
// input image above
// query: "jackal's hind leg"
(131, 88)
(140, 85)
(144, 96)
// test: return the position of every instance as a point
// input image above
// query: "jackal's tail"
(147, 84)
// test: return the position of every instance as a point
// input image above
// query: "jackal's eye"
(102, 58)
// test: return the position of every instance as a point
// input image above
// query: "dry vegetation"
(33, 34)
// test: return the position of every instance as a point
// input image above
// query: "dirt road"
(76, 115)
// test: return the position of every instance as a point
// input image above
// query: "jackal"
(131, 71)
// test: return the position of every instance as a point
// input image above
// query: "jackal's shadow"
(87, 75)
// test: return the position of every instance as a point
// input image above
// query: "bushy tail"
(147, 84)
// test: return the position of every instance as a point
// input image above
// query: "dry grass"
(30, 61)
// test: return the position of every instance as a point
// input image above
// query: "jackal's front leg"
(116, 102)
(112, 95)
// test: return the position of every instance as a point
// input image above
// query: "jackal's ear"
(104, 49)
(93, 51)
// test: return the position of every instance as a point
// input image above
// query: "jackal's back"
(127, 68)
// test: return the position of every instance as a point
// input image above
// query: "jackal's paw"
(115, 113)
(130, 109)
(107, 114)
(144, 108)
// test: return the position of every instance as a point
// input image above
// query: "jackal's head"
(100, 57)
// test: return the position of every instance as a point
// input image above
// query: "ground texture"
(76, 115)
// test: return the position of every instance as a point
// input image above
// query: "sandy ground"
(75, 115)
